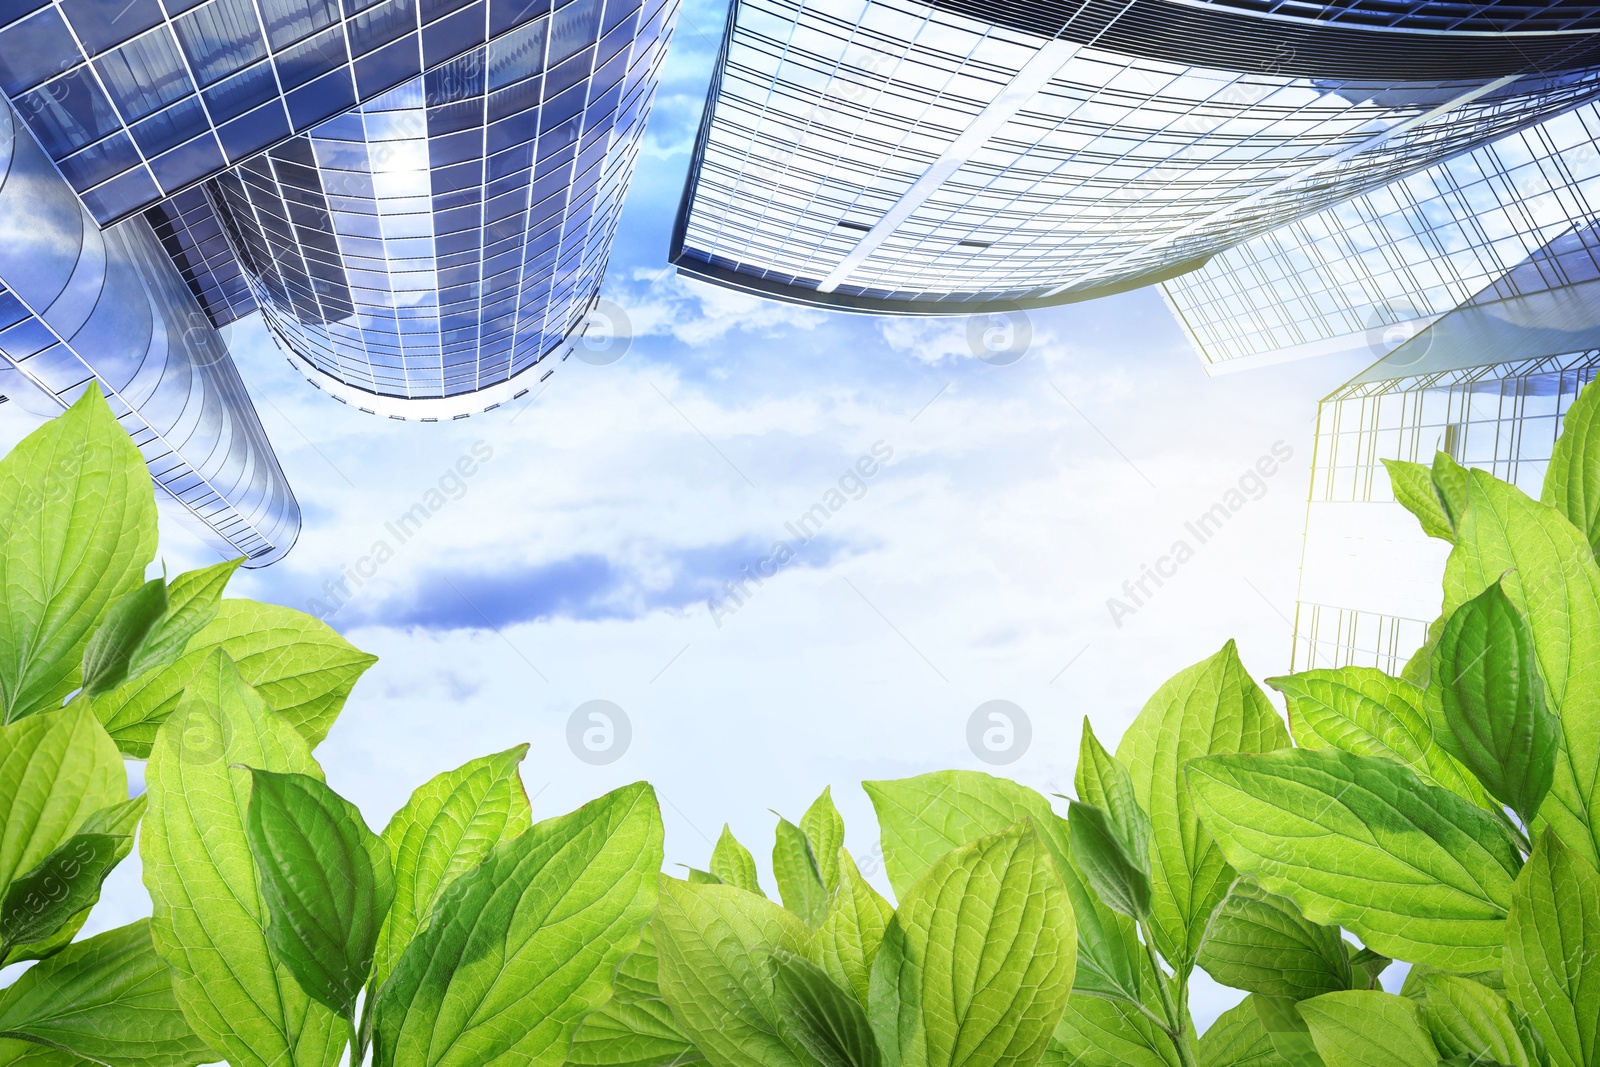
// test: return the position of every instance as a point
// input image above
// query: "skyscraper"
(954, 156)
(418, 195)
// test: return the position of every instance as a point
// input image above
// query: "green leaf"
(119, 635)
(976, 965)
(714, 942)
(526, 944)
(1450, 481)
(1259, 942)
(1288, 1032)
(30, 1054)
(1102, 856)
(326, 882)
(1572, 481)
(1364, 1028)
(1486, 678)
(56, 770)
(1111, 960)
(1365, 712)
(818, 1017)
(192, 600)
(635, 1028)
(1555, 584)
(732, 862)
(1237, 1039)
(1094, 1032)
(1366, 967)
(107, 999)
(1104, 783)
(301, 667)
(1469, 1019)
(66, 882)
(847, 942)
(1414, 489)
(799, 879)
(447, 827)
(1552, 959)
(77, 529)
(1210, 708)
(209, 915)
(824, 829)
(699, 877)
(1414, 870)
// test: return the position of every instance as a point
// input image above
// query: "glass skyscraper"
(419, 196)
(954, 156)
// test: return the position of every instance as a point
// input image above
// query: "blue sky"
(579, 560)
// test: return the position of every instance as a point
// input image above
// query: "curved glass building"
(956, 156)
(78, 303)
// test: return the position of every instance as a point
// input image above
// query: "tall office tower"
(953, 156)
(79, 303)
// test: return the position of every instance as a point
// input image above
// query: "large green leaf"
(38, 904)
(192, 601)
(1111, 960)
(847, 942)
(1102, 855)
(732, 863)
(1210, 708)
(824, 829)
(1103, 782)
(108, 999)
(976, 965)
(820, 1017)
(300, 666)
(77, 529)
(635, 1028)
(1414, 489)
(326, 881)
(1552, 959)
(1259, 942)
(1237, 1039)
(1486, 680)
(1095, 1032)
(1556, 586)
(446, 828)
(56, 769)
(119, 635)
(1365, 712)
(523, 946)
(714, 942)
(799, 877)
(1572, 481)
(209, 916)
(1367, 1028)
(30, 1054)
(1288, 1032)
(1416, 871)
(1452, 482)
(1467, 1018)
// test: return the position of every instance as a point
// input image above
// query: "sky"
(589, 556)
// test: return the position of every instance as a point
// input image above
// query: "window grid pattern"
(447, 236)
(78, 304)
(1328, 637)
(139, 105)
(1494, 16)
(827, 111)
(1412, 250)
(192, 235)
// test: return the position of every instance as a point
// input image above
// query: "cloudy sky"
(579, 562)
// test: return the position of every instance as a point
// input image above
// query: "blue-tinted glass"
(565, 75)
(311, 58)
(26, 338)
(452, 35)
(289, 20)
(504, 14)
(199, 157)
(465, 115)
(254, 131)
(145, 75)
(432, 9)
(380, 24)
(119, 196)
(69, 113)
(171, 127)
(235, 95)
(32, 51)
(387, 67)
(12, 10)
(518, 54)
(456, 80)
(103, 23)
(574, 28)
(328, 95)
(220, 38)
(515, 100)
(558, 109)
(100, 161)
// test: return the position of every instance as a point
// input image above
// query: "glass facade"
(78, 303)
(894, 156)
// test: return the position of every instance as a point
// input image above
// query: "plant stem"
(1176, 1027)
(356, 1050)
